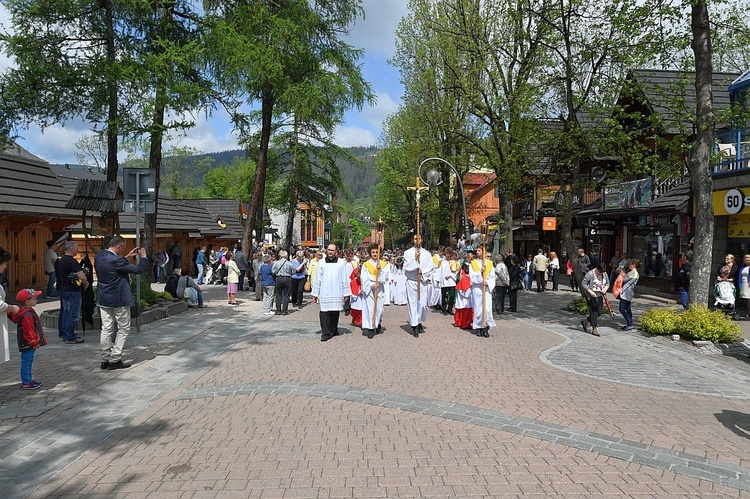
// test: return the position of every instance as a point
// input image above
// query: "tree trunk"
(112, 115)
(700, 162)
(154, 163)
(259, 185)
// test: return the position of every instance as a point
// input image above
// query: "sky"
(375, 34)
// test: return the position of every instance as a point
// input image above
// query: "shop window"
(655, 249)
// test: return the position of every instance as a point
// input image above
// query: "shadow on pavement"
(738, 422)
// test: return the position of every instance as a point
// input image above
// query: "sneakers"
(117, 365)
(31, 386)
(269, 313)
(74, 342)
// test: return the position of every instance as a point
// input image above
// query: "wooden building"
(32, 211)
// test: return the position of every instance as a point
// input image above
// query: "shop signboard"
(601, 232)
(635, 194)
(732, 201)
(739, 226)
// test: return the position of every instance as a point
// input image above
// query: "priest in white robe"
(331, 290)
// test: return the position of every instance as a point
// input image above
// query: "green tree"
(282, 42)
(67, 65)
(592, 44)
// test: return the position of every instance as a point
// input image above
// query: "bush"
(164, 296)
(696, 323)
(700, 323)
(660, 320)
(148, 295)
(579, 306)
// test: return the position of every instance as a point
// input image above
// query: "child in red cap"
(30, 335)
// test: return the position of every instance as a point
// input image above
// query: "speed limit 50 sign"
(731, 202)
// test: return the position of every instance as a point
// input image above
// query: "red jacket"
(30, 333)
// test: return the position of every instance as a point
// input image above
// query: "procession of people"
(362, 283)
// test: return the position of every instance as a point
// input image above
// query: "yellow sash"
(477, 266)
(372, 268)
(436, 260)
(455, 265)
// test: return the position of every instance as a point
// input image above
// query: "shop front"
(732, 212)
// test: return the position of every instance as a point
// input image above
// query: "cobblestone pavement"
(228, 402)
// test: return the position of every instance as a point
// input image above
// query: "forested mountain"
(359, 180)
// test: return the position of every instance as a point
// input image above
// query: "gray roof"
(174, 215)
(226, 209)
(96, 195)
(660, 87)
(29, 187)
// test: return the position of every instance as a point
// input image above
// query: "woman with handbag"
(515, 273)
(627, 291)
(595, 283)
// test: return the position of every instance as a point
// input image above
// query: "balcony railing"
(734, 150)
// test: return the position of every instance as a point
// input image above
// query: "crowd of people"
(463, 283)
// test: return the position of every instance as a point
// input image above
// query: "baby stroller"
(725, 294)
(218, 274)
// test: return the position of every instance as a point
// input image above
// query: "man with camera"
(115, 298)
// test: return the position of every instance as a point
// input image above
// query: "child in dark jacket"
(30, 335)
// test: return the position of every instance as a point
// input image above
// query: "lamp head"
(433, 178)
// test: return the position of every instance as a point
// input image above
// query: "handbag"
(308, 288)
(135, 310)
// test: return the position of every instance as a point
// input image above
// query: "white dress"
(399, 286)
(4, 343)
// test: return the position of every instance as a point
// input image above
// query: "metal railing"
(733, 148)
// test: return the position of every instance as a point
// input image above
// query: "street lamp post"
(364, 216)
(434, 178)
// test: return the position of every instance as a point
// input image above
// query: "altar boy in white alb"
(482, 275)
(374, 277)
(418, 275)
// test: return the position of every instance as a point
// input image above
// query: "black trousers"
(298, 291)
(329, 323)
(595, 308)
(541, 284)
(449, 298)
(513, 297)
(498, 300)
(283, 290)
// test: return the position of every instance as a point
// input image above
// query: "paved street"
(226, 402)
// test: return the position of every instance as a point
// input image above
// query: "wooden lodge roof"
(29, 187)
(671, 94)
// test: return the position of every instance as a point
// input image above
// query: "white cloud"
(376, 115)
(376, 33)
(349, 136)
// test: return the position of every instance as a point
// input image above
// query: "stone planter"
(151, 314)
